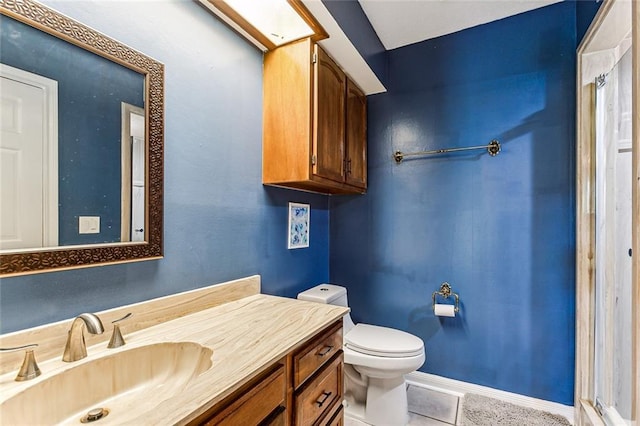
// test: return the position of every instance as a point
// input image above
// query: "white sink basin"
(127, 383)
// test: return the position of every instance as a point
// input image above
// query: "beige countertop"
(246, 336)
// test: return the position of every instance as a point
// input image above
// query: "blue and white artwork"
(298, 225)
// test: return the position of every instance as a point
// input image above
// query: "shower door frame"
(597, 37)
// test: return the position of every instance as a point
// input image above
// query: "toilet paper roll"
(442, 310)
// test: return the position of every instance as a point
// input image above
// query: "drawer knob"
(325, 350)
(323, 398)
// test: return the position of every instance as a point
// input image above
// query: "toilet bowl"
(376, 360)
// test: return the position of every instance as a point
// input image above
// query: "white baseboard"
(458, 388)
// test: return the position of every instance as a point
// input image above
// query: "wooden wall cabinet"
(314, 123)
(305, 388)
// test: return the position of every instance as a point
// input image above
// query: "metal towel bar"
(493, 148)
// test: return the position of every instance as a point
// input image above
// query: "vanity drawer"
(311, 357)
(263, 400)
(277, 418)
(337, 419)
(318, 398)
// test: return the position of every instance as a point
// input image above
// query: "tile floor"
(427, 408)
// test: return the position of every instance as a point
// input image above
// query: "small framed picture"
(298, 234)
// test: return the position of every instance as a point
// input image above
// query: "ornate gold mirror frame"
(57, 258)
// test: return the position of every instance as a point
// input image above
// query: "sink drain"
(95, 415)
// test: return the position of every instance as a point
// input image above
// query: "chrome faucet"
(76, 348)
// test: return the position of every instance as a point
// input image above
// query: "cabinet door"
(316, 353)
(329, 118)
(338, 418)
(356, 134)
(319, 397)
(261, 401)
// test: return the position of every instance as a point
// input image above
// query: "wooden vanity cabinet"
(318, 378)
(304, 389)
(314, 134)
(337, 419)
(315, 401)
(260, 402)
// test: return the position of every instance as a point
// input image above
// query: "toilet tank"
(329, 294)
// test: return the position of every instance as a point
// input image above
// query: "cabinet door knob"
(325, 350)
(323, 398)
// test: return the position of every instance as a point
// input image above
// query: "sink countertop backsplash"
(51, 338)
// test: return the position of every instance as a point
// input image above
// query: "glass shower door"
(613, 292)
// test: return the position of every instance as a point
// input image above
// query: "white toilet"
(376, 360)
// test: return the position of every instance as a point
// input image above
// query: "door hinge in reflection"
(598, 406)
(313, 160)
(314, 58)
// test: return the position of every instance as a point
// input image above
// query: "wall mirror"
(81, 155)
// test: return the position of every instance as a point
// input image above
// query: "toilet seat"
(383, 342)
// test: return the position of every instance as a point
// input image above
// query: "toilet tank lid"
(323, 293)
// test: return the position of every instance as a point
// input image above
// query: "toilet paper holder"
(445, 292)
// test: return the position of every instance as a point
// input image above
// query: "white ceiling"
(402, 22)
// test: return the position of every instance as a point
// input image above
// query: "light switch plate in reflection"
(89, 224)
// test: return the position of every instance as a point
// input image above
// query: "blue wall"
(90, 92)
(220, 222)
(500, 230)
(585, 11)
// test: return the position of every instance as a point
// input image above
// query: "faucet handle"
(116, 338)
(29, 369)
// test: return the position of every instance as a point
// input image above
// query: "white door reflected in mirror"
(134, 156)
(28, 135)
(137, 186)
